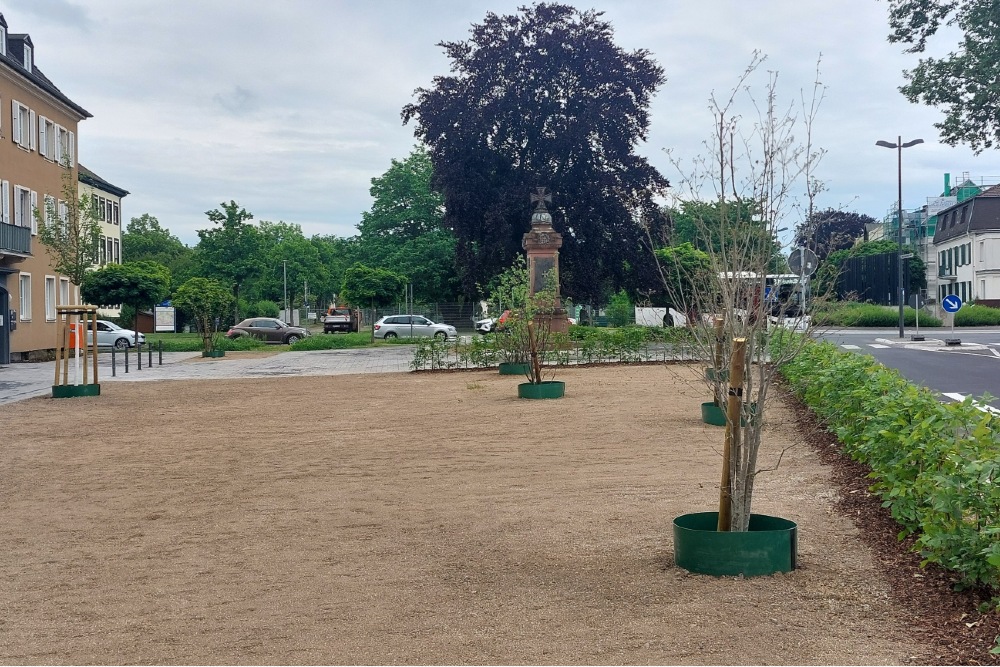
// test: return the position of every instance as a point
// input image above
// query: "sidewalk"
(27, 380)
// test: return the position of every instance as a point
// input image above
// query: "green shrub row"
(332, 342)
(853, 314)
(972, 315)
(584, 345)
(935, 465)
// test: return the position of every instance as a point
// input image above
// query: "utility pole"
(284, 265)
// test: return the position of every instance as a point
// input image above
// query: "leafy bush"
(971, 315)
(934, 464)
(853, 314)
(263, 308)
(337, 342)
(620, 311)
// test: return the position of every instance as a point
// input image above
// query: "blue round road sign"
(951, 303)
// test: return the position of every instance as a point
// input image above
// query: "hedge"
(935, 465)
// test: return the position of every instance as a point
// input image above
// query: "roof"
(93, 180)
(14, 60)
(978, 213)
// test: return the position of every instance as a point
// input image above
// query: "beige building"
(38, 131)
(107, 201)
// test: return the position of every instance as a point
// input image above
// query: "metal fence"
(874, 278)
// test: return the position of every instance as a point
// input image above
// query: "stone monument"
(542, 245)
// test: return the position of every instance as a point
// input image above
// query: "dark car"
(267, 329)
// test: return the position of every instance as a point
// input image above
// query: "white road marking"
(961, 397)
(851, 347)
(877, 346)
(995, 352)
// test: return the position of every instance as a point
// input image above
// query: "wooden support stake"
(59, 348)
(717, 361)
(93, 340)
(65, 378)
(730, 452)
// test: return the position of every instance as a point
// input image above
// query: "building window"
(5, 204)
(65, 145)
(27, 57)
(46, 138)
(104, 250)
(981, 246)
(64, 293)
(117, 214)
(50, 298)
(25, 203)
(3, 41)
(23, 125)
(118, 259)
(25, 285)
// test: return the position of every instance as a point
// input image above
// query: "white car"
(412, 326)
(110, 334)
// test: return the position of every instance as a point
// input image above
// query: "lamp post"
(899, 146)
(284, 267)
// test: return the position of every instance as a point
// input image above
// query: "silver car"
(412, 326)
(110, 334)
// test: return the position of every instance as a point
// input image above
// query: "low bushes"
(584, 345)
(332, 342)
(853, 314)
(971, 315)
(934, 465)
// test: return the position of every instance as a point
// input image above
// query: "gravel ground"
(414, 518)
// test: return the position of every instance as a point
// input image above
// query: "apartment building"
(106, 199)
(38, 136)
(967, 243)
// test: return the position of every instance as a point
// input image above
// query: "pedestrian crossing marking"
(851, 347)
(877, 346)
(958, 398)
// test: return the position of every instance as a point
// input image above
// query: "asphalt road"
(971, 368)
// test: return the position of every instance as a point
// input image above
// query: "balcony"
(15, 240)
(947, 272)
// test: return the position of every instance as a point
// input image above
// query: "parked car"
(412, 326)
(268, 329)
(110, 334)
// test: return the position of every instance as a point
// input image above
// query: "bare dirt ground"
(412, 518)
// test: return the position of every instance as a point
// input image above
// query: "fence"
(874, 278)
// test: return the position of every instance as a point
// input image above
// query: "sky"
(291, 107)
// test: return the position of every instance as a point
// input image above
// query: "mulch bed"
(947, 619)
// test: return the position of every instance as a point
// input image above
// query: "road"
(972, 368)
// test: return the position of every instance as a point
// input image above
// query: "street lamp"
(899, 146)
(284, 267)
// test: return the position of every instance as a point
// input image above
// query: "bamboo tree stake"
(730, 453)
(717, 362)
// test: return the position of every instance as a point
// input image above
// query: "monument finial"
(540, 196)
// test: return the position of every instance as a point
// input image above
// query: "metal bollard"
(138, 357)
(113, 369)
(126, 359)
(150, 348)
(161, 352)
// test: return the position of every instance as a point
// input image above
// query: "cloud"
(239, 101)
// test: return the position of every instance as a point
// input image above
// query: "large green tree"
(144, 239)
(230, 252)
(964, 83)
(545, 98)
(367, 286)
(715, 227)
(404, 231)
(136, 284)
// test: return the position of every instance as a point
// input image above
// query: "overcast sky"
(291, 107)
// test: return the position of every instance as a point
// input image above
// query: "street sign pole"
(951, 304)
